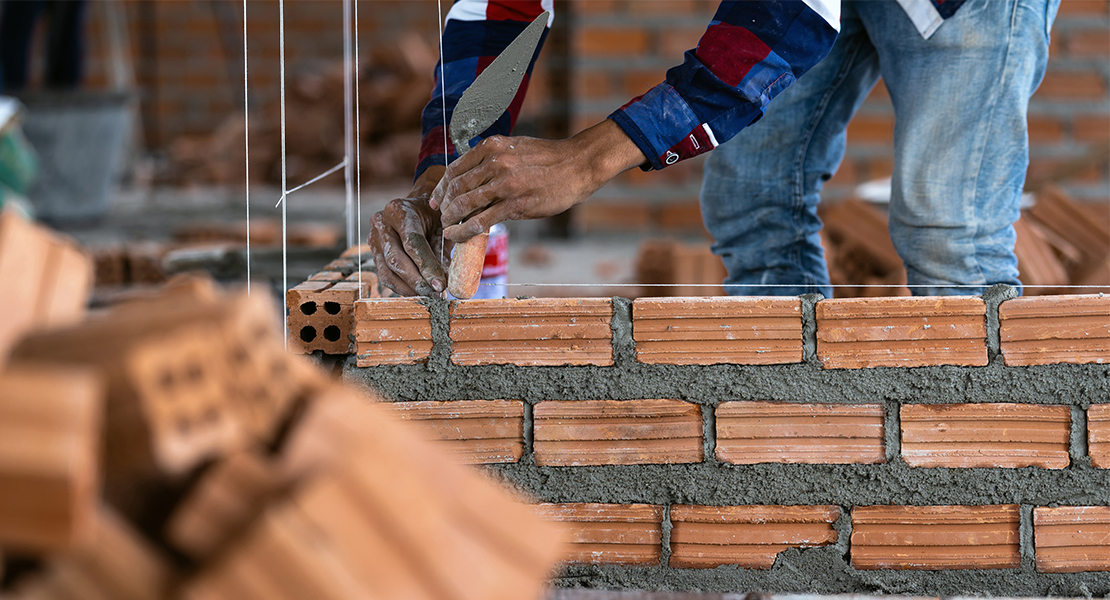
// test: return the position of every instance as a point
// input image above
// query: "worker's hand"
(513, 178)
(405, 238)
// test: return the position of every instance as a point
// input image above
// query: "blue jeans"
(960, 150)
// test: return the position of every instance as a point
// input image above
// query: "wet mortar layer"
(819, 570)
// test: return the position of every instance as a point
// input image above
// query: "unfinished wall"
(874, 445)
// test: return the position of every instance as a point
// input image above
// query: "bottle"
(495, 271)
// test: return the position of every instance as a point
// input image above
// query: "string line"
(784, 285)
(312, 181)
(348, 141)
(247, 144)
(443, 99)
(358, 156)
(284, 181)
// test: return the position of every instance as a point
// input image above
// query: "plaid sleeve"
(750, 52)
(475, 33)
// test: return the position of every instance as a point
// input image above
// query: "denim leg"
(961, 149)
(760, 190)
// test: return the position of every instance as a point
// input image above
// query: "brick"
(473, 431)
(1094, 43)
(66, 284)
(777, 432)
(624, 534)
(611, 42)
(390, 517)
(617, 432)
(532, 332)
(1092, 129)
(1045, 129)
(706, 331)
(748, 536)
(115, 562)
(680, 217)
(592, 84)
(871, 129)
(397, 331)
(901, 332)
(674, 41)
(935, 538)
(611, 216)
(1055, 329)
(1098, 435)
(223, 504)
(985, 435)
(1072, 539)
(23, 253)
(321, 315)
(50, 428)
(1083, 7)
(1072, 85)
(639, 82)
(327, 276)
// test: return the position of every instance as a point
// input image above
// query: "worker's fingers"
(425, 258)
(514, 209)
(485, 150)
(386, 247)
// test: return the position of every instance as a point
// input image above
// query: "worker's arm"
(405, 236)
(750, 52)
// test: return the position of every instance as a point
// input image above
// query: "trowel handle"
(466, 267)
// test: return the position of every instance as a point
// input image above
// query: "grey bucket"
(80, 138)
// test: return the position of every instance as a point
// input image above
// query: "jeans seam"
(798, 191)
(1006, 64)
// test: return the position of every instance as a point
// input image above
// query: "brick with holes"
(321, 315)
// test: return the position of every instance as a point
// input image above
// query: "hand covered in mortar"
(515, 178)
(406, 242)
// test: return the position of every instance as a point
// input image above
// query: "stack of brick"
(266, 478)
(802, 442)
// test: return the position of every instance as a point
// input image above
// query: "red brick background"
(617, 49)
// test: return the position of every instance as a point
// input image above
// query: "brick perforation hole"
(332, 308)
(332, 333)
(309, 308)
(308, 333)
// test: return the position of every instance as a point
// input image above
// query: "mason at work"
(790, 73)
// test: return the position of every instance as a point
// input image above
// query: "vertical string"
(443, 99)
(247, 144)
(358, 158)
(284, 183)
(348, 141)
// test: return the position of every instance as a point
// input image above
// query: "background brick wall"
(616, 49)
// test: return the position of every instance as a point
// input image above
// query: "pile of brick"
(393, 89)
(169, 447)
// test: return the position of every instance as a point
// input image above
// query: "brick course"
(473, 431)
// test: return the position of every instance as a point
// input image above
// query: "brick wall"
(830, 446)
(615, 52)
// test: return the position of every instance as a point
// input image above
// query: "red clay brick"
(1092, 129)
(1045, 129)
(1094, 43)
(473, 431)
(706, 331)
(321, 315)
(23, 253)
(985, 435)
(532, 332)
(1040, 330)
(1072, 539)
(327, 276)
(625, 534)
(67, 281)
(611, 216)
(1083, 7)
(611, 41)
(1072, 85)
(901, 332)
(871, 129)
(778, 432)
(748, 536)
(397, 331)
(935, 537)
(223, 504)
(1098, 435)
(50, 436)
(617, 432)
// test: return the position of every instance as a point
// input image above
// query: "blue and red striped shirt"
(750, 52)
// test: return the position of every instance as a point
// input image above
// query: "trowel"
(479, 107)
